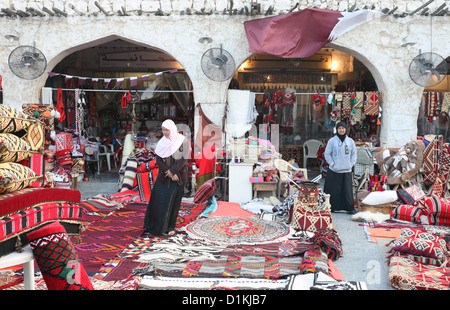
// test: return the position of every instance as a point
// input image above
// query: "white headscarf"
(168, 146)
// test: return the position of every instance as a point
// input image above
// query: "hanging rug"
(237, 229)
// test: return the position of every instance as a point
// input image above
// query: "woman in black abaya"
(171, 157)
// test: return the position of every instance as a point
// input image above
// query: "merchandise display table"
(264, 186)
(27, 259)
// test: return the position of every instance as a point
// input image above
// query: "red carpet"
(109, 236)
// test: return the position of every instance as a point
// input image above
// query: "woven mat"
(237, 230)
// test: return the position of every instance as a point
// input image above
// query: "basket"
(384, 208)
(238, 148)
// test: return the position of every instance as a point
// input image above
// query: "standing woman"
(171, 158)
(340, 154)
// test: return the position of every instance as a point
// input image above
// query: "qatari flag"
(302, 33)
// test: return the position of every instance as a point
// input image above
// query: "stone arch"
(95, 42)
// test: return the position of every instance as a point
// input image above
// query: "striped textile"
(445, 106)
(36, 163)
(438, 210)
(372, 103)
(205, 191)
(36, 215)
(234, 266)
(347, 99)
(130, 174)
(408, 213)
(358, 107)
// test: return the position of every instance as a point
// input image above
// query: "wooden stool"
(27, 259)
(264, 187)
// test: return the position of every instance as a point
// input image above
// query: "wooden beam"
(35, 12)
(46, 10)
(75, 9)
(421, 7)
(393, 10)
(101, 8)
(22, 13)
(9, 12)
(59, 12)
(438, 9)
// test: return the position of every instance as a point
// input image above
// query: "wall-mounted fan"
(27, 62)
(218, 64)
(428, 69)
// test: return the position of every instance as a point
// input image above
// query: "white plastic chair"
(286, 169)
(310, 149)
(107, 151)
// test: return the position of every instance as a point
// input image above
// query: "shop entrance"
(124, 88)
(306, 97)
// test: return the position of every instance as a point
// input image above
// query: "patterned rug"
(107, 237)
(113, 238)
(408, 274)
(233, 266)
(237, 230)
(189, 212)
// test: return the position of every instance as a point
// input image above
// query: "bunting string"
(133, 79)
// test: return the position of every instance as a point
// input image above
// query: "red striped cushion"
(408, 213)
(439, 206)
(205, 191)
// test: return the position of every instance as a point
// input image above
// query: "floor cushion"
(14, 177)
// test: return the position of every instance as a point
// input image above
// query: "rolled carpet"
(57, 259)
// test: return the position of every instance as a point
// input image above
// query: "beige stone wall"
(207, 6)
(377, 44)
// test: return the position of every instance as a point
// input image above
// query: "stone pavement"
(362, 260)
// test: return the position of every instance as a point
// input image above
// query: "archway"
(316, 82)
(127, 86)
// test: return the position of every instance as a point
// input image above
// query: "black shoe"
(351, 212)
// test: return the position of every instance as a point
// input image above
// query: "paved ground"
(362, 260)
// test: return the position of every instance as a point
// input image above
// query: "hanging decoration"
(125, 100)
(107, 80)
(60, 105)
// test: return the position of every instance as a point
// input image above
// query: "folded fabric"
(416, 246)
(409, 213)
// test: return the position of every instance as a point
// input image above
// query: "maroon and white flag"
(302, 33)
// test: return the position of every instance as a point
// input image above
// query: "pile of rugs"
(25, 204)
(413, 218)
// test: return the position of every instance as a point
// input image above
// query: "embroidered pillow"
(13, 148)
(437, 189)
(14, 177)
(420, 247)
(423, 235)
(412, 194)
(205, 191)
(12, 120)
(35, 136)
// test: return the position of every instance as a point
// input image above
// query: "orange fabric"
(334, 272)
(375, 233)
(225, 208)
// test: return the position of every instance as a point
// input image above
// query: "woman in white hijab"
(172, 152)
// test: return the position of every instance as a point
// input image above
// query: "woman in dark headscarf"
(340, 154)
(172, 153)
